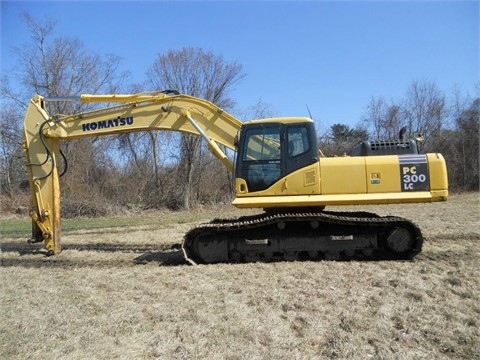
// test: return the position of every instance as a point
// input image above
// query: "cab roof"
(281, 120)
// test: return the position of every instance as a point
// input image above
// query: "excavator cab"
(271, 149)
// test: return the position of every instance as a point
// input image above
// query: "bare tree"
(374, 118)
(425, 110)
(260, 110)
(55, 67)
(194, 72)
(465, 164)
(383, 119)
(341, 138)
(11, 160)
(63, 66)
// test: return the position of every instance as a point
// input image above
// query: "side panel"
(383, 174)
(305, 181)
(438, 172)
(279, 188)
(342, 175)
(438, 176)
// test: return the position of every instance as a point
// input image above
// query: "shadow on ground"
(34, 256)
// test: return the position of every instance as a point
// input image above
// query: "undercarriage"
(288, 236)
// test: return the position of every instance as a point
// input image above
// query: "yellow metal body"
(346, 181)
(329, 181)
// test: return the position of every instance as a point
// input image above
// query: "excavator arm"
(138, 112)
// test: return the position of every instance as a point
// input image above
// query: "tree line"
(154, 170)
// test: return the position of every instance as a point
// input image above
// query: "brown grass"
(127, 293)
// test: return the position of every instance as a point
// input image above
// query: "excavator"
(278, 168)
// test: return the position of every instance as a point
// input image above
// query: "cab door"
(261, 162)
(301, 160)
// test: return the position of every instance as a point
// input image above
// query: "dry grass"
(126, 293)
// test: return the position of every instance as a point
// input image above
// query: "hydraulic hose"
(44, 144)
(49, 155)
(65, 163)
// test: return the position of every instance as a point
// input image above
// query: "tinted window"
(262, 144)
(261, 165)
(297, 138)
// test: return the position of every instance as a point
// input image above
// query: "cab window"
(297, 141)
(263, 144)
(262, 165)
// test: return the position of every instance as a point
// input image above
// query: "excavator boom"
(137, 112)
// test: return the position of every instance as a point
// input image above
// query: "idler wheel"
(400, 240)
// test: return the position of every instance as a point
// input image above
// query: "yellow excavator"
(278, 168)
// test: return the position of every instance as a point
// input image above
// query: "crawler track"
(303, 235)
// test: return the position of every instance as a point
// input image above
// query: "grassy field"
(121, 290)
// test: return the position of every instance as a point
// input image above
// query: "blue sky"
(332, 56)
